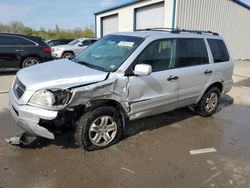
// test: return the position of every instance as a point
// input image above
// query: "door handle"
(19, 50)
(208, 71)
(170, 78)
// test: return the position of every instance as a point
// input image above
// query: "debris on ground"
(201, 151)
(127, 170)
(25, 140)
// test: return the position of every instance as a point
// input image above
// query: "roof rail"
(177, 30)
(198, 31)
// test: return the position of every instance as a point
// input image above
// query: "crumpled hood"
(59, 74)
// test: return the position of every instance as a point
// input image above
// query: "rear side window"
(8, 41)
(191, 52)
(159, 54)
(25, 42)
(219, 50)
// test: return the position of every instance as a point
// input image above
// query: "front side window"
(159, 54)
(191, 52)
(109, 53)
(8, 41)
(219, 50)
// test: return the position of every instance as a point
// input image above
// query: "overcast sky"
(48, 13)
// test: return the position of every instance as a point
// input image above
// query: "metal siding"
(230, 20)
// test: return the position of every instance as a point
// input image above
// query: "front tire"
(98, 128)
(209, 103)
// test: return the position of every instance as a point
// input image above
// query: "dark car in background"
(57, 42)
(20, 51)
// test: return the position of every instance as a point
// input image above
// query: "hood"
(59, 74)
(65, 47)
(59, 46)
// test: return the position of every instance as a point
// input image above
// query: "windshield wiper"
(91, 65)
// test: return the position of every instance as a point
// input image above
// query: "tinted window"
(93, 41)
(159, 54)
(219, 50)
(86, 42)
(191, 52)
(25, 42)
(8, 41)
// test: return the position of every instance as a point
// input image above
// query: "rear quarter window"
(219, 50)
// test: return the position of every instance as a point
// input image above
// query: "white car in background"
(72, 48)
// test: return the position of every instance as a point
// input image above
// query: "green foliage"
(57, 33)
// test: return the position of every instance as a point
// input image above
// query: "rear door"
(9, 57)
(158, 91)
(223, 66)
(195, 69)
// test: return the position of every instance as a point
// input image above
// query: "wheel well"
(216, 84)
(97, 103)
(69, 52)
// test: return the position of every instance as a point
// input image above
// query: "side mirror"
(142, 70)
(80, 44)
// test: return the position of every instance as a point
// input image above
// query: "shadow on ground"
(65, 138)
(8, 73)
(243, 83)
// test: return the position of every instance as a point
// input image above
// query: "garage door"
(149, 16)
(109, 24)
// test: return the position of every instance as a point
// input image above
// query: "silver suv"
(122, 77)
(72, 48)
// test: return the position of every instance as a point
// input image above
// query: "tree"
(88, 33)
(57, 33)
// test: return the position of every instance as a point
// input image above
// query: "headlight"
(50, 99)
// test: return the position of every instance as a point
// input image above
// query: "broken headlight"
(50, 99)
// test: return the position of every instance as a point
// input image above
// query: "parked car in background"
(20, 51)
(72, 48)
(124, 76)
(57, 42)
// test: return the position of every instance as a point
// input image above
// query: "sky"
(66, 14)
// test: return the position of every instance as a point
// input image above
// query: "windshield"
(109, 53)
(74, 42)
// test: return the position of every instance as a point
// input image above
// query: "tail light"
(48, 50)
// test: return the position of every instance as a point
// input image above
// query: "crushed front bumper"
(28, 117)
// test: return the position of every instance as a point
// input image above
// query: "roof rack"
(177, 30)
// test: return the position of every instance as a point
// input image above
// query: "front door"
(158, 91)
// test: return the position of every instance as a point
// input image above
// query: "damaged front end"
(66, 106)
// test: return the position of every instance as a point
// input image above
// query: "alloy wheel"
(102, 130)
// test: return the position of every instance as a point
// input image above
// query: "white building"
(230, 18)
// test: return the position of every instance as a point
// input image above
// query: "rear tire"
(67, 55)
(209, 102)
(30, 61)
(98, 128)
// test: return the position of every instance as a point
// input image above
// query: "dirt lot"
(154, 153)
